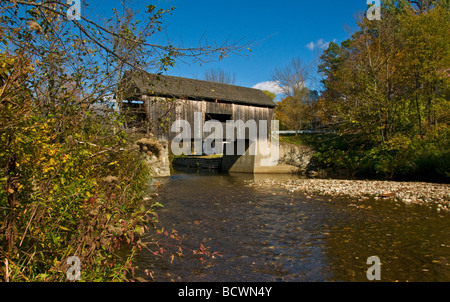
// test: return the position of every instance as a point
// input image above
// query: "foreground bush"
(71, 184)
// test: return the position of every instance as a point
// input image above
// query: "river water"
(269, 234)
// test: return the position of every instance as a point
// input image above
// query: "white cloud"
(271, 86)
(321, 44)
(311, 45)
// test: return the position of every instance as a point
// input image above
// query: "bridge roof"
(140, 83)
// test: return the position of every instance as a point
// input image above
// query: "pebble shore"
(407, 192)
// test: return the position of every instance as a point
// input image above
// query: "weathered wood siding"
(162, 113)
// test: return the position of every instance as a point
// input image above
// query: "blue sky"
(281, 31)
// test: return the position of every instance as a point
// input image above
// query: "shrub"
(393, 158)
(61, 194)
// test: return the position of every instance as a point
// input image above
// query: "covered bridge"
(160, 100)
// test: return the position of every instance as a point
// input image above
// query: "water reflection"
(267, 234)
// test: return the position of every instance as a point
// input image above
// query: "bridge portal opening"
(223, 118)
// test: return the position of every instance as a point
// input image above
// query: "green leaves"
(53, 200)
(386, 82)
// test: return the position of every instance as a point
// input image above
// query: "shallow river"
(268, 234)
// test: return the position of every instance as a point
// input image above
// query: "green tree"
(294, 111)
(388, 84)
(389, 77)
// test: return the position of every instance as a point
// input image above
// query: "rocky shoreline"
(407, 192)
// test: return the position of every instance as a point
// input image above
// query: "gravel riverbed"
(408, 192)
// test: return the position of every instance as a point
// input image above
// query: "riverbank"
(407, 192)
(401, 158)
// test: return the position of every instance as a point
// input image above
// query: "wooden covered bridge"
(160, 101)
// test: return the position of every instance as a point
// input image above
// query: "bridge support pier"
(256, 162)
